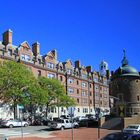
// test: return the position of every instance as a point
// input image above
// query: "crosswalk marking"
(12, 133)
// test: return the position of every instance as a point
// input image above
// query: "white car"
(13, 123)
(62, 124)
(132, 128)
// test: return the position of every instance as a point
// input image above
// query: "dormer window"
(50, 65)
(61, 68)
(25, 57)
(9, 52)
(69, 71)
(84, 76)
(39, 61)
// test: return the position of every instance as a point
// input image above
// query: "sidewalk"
(78, 134)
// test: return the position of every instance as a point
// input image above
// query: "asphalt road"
(24, 131)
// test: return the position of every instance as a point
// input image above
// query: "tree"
(56, 93)
(15, 81)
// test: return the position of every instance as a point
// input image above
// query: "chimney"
(77, 64)
(112, 73)
(107, 74)
(88, 69)
(7, 37)
(55, 54)
(36, 48)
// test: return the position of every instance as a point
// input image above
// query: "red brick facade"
(88, 88)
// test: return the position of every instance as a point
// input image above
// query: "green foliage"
(19, 86)
(56, 92)
(15, 79)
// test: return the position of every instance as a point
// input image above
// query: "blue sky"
(85, 30)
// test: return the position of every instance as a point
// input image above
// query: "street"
(24, 131)
(41, 133)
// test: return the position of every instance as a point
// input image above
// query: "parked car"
(116, 136)
(132, 128)
(62, 124)
(79, 118)
(14, 123)
(88, 123)
(90, 116)
(134, 137)
(65, 117)
(41, 121)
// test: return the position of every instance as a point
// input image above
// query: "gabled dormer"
(68, 67)
(25, 52)
(50, 60)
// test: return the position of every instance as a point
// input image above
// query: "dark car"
(117, 136)
(88, 123)
(134, 137)
(42, 121)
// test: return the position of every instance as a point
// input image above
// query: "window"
(61, 78)
(62, 109)
(84, 76)
(61, 68)
(84, 93)
(51, 75)
(85, 110)
(39, 61)
(50, 65)
(90, 101)
(95, 79)
(90, 93)
(77, 100)
(77, 82)
(77, 73)
(70, 90)
(84, 84)
(77, 91)
(78, 109)
(138, 98)
(69, 71)
(85, 101)
(39, 72)
(9, 52)
(25, 57)
(90, 86)
(96, 87)
(70, 81)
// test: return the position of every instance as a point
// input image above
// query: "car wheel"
(25, 125)
(76, 126)
(11, 126)
(62, 128)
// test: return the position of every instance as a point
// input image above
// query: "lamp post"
(71, 109)
(57, 68)
(99, 109)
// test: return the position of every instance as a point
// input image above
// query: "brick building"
(125, 89)
(88, 88)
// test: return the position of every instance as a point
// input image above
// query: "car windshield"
(133, 126)
(59, 121)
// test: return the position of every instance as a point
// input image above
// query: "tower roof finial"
(124, 61)
(124, 51)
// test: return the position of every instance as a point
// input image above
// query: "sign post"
(71, 110)
(21, 107)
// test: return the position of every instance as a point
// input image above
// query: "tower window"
(138, 98)
(61, 78)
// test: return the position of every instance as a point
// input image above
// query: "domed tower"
(125, 87)
(103, 68)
